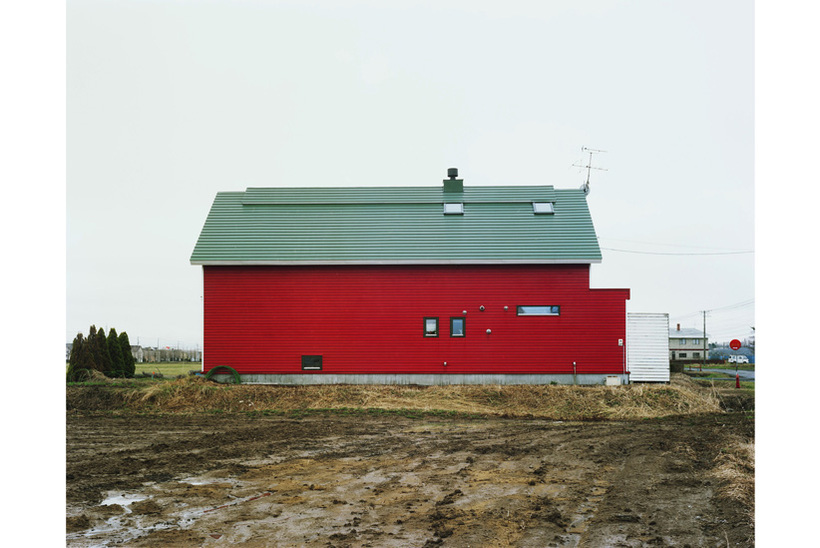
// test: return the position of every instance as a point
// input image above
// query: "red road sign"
(735, 344)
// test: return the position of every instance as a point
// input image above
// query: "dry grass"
(193, 394)
(735, 471)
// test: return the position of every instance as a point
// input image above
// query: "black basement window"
(312, 363)
(457, 327)
(539, 310)
(431, 327)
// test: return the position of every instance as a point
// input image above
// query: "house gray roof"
(396, 225)
(687, 333)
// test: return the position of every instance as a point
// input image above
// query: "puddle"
(123, 499)
(128, 526)
(199, 480)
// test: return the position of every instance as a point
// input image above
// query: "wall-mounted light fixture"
(489, 331)
(481, 308)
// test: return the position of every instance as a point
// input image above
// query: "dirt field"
(367, 480)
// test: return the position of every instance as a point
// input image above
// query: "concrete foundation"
(424, 379)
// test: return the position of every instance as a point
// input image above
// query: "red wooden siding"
(370, 319)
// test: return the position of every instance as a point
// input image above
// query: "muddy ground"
(362, 480)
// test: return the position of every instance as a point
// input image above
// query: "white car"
(738, 359)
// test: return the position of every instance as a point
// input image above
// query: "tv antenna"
(589, 167)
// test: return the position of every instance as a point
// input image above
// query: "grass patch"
(167, 369)
(710, 375)
(745, 386)
(741, 366)
(194, 394)
(145, 373)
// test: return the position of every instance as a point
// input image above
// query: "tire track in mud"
(389, 481)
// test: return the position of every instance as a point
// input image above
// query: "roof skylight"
(543, 208)
(455, 208)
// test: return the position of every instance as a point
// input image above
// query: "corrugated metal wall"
(647, 344)
(370, 319)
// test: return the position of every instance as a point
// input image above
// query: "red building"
(422, 285)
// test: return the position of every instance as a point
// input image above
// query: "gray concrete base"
(421, 379)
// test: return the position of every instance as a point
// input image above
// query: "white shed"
(647, 346)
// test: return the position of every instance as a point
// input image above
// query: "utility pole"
(704, 339)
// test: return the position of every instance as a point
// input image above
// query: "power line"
(736, 305)
(730, 329)
(733, 323)
(740, 304)
(663, 244)
(676, 254)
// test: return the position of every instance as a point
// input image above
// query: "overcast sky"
(170, 102)
(122, 119)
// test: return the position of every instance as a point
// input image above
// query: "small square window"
(454, 209)
(431, 327)
(457, 327)
(543, 208)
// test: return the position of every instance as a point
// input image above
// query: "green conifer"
(71, 374)
(128, 358)
(99, 349)
(117, 368)
(80, 361)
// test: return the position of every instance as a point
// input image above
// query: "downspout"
(626, 342)
(624, 360)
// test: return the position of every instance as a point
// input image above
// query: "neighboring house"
(687, 344)
(138, 353)
(147, 354)
(413, 285)
(152, 354)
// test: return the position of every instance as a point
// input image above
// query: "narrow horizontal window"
(454, 209)
(539, 310)
(431, 327)
(543, 208)
(457, 327)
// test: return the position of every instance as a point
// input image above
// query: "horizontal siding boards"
(648, 347)
(369, 319)
(343, 226)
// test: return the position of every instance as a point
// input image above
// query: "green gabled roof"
(394, 195)
(396, 225)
